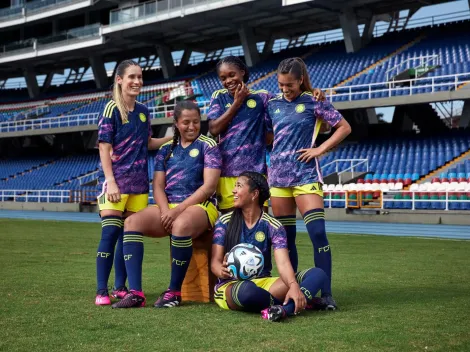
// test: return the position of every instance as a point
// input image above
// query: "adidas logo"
(278, 111)
(228, 105)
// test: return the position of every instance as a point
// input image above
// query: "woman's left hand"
(297, 296)
(169, 217)
(308, 154)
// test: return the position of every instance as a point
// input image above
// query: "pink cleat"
(102, 300)
(274, 313)
(120, 292)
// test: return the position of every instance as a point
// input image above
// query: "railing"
(414, 62)
(35, 44)
(33, 7)
(330, 202)
(150, 8)
(83, 180)
(411, 87)
(46, 196)
(354, 163)
(157, 112)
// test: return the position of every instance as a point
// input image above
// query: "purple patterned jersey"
(268, 232)
(242, 145)
(130, 146)
(184, 170)
(296, 125)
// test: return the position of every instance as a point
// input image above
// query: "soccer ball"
(245, 261)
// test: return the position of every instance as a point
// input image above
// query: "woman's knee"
(131, 223)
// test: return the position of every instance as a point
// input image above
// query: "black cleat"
(133, 299)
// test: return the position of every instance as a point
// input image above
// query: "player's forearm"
(201, 195)
(221, 124)
(160, 197)
(106, 163)
(284, 266)
(155, 143)
(336, 138)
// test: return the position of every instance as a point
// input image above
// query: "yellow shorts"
(221, 299)
(224, 192)
(129, 202)
(209, 208)
(289, 192)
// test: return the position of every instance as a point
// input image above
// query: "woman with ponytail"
(237, 117)
(274, 297)
(124, 137)
(294, 174)
(187, 170)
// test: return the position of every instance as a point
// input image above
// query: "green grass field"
(395, 294)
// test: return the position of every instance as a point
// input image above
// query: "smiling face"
(231, 77)
(189, 125)
(131, 81)
(289, 85)
(242, 195)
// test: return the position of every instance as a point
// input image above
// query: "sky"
(453, 7)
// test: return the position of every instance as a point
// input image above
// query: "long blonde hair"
(117, 89)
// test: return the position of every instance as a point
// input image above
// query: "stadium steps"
(381, 61)
(272, 73)
(31, 169)
(443, 168)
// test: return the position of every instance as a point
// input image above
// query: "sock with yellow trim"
(310, 281)
(120, 273)
(181, 252)
(111, 227)
(251, 298)
(133, 248)
(291, 230)
(315, 221)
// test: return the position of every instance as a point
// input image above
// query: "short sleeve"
(212, 158)
(267, 120)
(160, 159)
(219, 233)
(278, 237)
(107, 126)
(326, 111)
(215, 107)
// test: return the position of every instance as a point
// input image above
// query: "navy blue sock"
(133, 248)
(291, 231)
(251, 298)
(120, 273)
(315, 221)
(311, 281)
(181, 252)
(111, 227)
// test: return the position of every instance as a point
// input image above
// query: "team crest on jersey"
(194, 153)
(142, 117)
(260, 236)
(300, 108)
(251, 103)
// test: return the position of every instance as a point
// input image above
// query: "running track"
(363, 228)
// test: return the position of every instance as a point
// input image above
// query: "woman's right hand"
(240, 94)
(112, 190)
(224, 271)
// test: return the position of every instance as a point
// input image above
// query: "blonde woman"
(124, 137)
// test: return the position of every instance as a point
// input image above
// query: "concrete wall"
(73, 207)
(415, 217)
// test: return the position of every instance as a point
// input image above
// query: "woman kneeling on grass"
(186, 174)
(276, 298)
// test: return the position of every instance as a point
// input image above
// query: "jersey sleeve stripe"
(108, 110)
(271, 220)
(207, 140)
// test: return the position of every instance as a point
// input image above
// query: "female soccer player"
(186, 174)
(124, 136)
(276, 298)
(294, 174)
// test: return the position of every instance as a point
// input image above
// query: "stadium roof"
(206, 31)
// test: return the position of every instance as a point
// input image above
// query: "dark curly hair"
(237, 62)
(258, 182)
